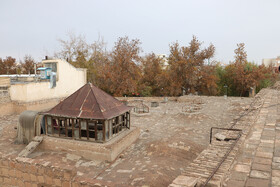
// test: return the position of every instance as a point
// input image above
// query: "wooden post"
(72, 123)
(117, 124)
(129, 120)
(66, 127)
(87, 129)
(52, 125)
(58, 126)
(125, 119)
(46, 125)
(110, 126)
(80, 132)
(103, 129)
(95, 130)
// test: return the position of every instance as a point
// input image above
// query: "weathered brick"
(67, 175)
(48, 180)
(50, 172)
(260, 160)
(75, 184)
(12, 164)
(7, 180)
(26, 177)
(12, 173)
(41, 171)
(264, 154)
(19, 174)
(275, 181)
(20, 183)
(257, 183)
(261, 167)
(58, 173)
(13, 181)
(32, 169)
(20, 166)
(234, 183)
(40, 179)
(33, 178)
(260, 174)
(275, 173)
(5, 163)
(242, 168)
(57, 182)
(5, 172)
(66, 184)
(238, 176)
(27, 184)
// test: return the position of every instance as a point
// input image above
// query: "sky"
(33, 27)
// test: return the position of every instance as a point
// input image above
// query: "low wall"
(149, 99)
(90, 150)
(26, 172)
(8, 107)
(5, 81)
(23, 172)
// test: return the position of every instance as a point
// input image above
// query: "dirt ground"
(172, 135)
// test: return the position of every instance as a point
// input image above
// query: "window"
(51, 65)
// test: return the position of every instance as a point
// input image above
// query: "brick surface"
(57, 182)
(261, 167)
(48, 180)
(239, 176)
(275, 173)
(260, 160)
(33, 178)
(7, 181)
(242, 168)
(41, 179)
(264, 154)
(26, 177)
(66, 184)
(234, 183)
(257, 183)
(275, 181)
(275, 165)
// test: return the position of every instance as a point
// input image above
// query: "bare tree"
(28, 65)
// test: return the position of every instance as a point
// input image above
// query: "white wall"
(70, 79)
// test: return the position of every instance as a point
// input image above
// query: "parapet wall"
(27, 172)
(23, 172)
(8, 107)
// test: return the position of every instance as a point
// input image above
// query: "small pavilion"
(88, 114)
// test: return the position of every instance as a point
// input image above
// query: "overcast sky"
(33, 26)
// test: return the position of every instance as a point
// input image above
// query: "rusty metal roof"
(89, 102)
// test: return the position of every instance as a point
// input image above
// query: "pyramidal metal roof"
(89, 102)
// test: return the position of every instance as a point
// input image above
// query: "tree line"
(8, 65)
(123, 71)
